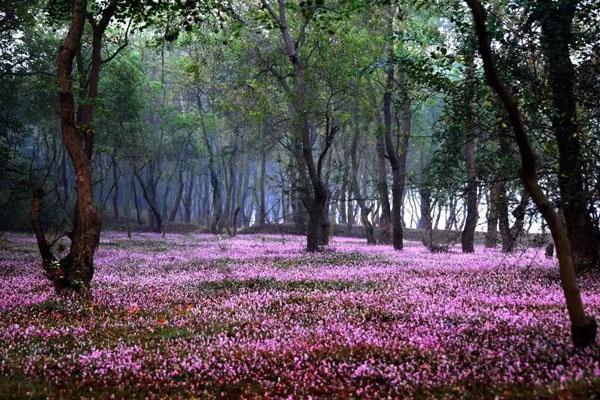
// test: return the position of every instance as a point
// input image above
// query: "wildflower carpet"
(255, 316)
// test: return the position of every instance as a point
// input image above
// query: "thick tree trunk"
(583, 328)
(557, 34)
(74, 272)
(77, 268)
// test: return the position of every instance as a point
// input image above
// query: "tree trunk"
(451, 217)
(262, 213)
(138, 213)
(74, 272)
(491, 236)
(342, 206)
(396, 162)
(583, 328)
(385, 220)
(503, 220)
(115, 199)
(314, 193)
(355, 188)
(215, 223)
(77, 268)
(519, 213)
(187, 199)
(178, 196)
(149, 194)
(425, 208)
(468, 234)
(557, 24)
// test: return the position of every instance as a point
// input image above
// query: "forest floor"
(200, 316)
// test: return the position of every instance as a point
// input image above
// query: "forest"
(350, 199)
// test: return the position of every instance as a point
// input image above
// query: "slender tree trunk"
(149, 194)
(491, 236)
(385, 220)
(262, 213)
(468, 234)
(342, 206)
(138, 213)
(215, 223)
(451, 217)
(355, 188)
(178, 197)
(115, 198)
(187, 199)
(398, 170)
(503, 220)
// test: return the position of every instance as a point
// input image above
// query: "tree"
(74, 272)
(468, 233)
(313, 191)
(583, 328)
(556, 20)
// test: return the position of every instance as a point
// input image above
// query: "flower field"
(256, 317)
